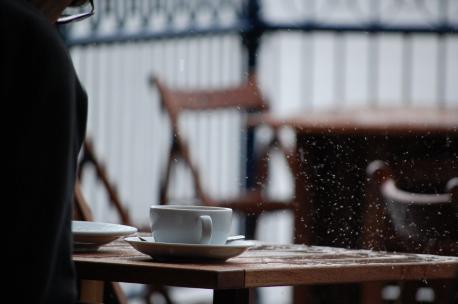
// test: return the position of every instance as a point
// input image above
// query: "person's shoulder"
(22, 23)
(32, 42)
(32, 56)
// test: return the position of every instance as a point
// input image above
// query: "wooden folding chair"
(414, 220)
(244, 98)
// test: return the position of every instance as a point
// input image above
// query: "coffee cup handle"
(207, 227)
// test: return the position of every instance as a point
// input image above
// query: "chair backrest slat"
(244, 97)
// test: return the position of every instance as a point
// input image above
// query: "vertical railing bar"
(216, 124)
(235, 72)
(175, 80)
(130, 106)
(178, 62)
(235, 66)
(140, 126)
(442, 57)
(226, 49)
(407, 66)
(190, 119)
(102, 140)
(312, 7)
(373, 70)
(148, 164)
(168, 74)
(373, 64)
(84, 72)
(278, 65)
(243, 72)
(200, 119)
(303, 79)
(203, 119)
(309, 53)
(195, 58)
(441, 70)
(97, 116)
(136, 69)
(187, 62)
(175, 65)
(165, 71)
(220, 118)
(156, 124)
(118, 122)
(250, 41)
(201, 61)
(162, 67)
(124, 116)
(212, 128)
(197, 82)
(210, 117)
(182, 59)
(339, 69)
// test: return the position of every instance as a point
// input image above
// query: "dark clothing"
(45, 107)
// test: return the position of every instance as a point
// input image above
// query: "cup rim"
(190, 208)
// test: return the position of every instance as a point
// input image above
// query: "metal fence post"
(251, 38)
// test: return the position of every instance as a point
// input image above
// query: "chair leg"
(443, 291)
(241, 296)
(113, 294)
(371, 293)
(250, 226)
(151, 289)
(408, 292)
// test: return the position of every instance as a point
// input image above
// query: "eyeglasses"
(64, 19)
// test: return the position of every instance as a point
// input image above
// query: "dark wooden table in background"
(334, 149)
(261, 266)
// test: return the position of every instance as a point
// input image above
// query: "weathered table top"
(262, 266)
(396, 120)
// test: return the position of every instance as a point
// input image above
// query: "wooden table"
(333, 148)
(262, 266)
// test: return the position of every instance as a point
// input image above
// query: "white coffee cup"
(190, 224)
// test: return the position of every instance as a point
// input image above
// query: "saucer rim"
(235, 244)
(122, 231)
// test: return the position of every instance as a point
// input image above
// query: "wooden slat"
(340, 273)
(367, 120)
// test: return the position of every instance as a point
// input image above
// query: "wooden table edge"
(352, 274)
(114, 271)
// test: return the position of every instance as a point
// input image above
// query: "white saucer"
(168, 251)
(89, 236)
